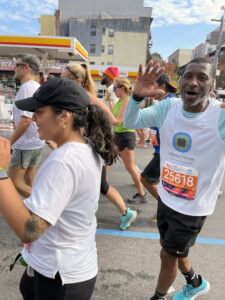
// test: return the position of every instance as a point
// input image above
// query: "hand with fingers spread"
(5, 153)
(144, 85)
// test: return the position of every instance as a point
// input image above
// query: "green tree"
(155, 56)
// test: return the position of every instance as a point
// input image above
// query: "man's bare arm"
(20, 129)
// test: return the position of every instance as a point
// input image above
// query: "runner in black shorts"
(183, 228)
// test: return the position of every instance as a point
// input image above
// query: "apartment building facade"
(180, 57)
(113, 32)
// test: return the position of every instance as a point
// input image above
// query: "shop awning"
(50, 47)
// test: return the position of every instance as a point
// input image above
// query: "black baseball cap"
(60, 92)
(165, 79)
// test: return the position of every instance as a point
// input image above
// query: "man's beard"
(104, 81)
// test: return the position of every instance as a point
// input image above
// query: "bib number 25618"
(180, 181)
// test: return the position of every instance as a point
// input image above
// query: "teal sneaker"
(191, 293)
(128, 219)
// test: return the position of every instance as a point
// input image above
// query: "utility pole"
(218, 46)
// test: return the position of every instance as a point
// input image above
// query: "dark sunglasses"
(74, 75)
(116, 87)
(20, 64)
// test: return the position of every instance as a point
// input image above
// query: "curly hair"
(97, 129)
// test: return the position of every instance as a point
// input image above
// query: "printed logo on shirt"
(182, 142)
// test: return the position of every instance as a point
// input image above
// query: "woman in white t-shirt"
(57, 222)
(81, 74)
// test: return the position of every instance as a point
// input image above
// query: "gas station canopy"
(44, 47)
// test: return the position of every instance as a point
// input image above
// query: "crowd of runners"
(51, 209)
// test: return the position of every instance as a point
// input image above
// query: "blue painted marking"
(153, 236)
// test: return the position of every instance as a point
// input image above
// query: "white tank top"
(192, 160)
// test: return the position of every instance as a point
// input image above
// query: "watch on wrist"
(4, 173)
(137, 98)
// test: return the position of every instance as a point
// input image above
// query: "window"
(103, 49)
(109, 64)
(110, 49)
(92, 63)
(93, 30)
(103, 30)
(92, 48)
(102, 63)
(111, 31)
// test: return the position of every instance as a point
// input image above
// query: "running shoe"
(128, 219)
(154, 218)
(137, 198)
(190, 293)
(141, 145)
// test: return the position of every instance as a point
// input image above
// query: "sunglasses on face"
(116, 87)
(20, 64)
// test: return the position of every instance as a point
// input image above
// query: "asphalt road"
(129, 261)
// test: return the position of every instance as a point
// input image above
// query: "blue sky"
(167, 39)
(176, 24)
(182, 24)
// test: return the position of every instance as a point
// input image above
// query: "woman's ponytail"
(98, 130)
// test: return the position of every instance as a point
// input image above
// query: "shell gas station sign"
(52, 47)
(98, 71)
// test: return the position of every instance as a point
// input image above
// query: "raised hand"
(144, 85)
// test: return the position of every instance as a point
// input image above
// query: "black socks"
(192, 278)
(158, 296)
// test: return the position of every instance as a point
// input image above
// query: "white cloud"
(184, 12)
(21, 16)
(16, 17)
(4, 28)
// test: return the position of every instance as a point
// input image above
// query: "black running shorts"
(177, 231)
(125, 140)
(152, 171)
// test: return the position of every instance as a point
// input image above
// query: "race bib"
(180, 181)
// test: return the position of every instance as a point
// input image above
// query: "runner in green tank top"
(125, 139)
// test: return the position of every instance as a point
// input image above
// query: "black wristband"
(137, 98)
